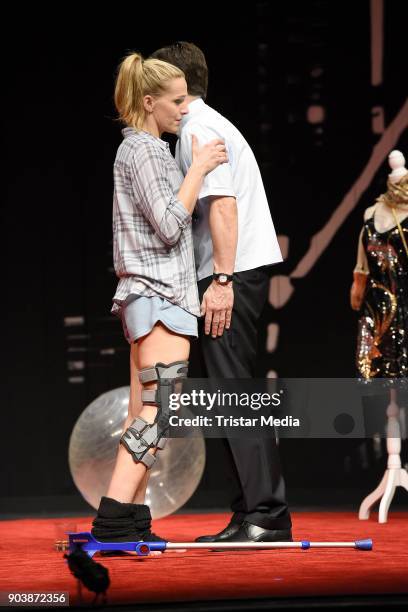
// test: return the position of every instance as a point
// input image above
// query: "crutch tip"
(364, 544)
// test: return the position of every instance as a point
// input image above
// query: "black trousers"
(255, 462)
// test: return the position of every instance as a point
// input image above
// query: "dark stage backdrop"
(318, 89)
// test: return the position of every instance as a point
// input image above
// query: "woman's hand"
(209, 156)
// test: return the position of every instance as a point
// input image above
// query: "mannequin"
(380, 290)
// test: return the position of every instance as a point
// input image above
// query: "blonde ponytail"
(137, 78)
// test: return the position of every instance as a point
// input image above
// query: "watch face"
(222, 278)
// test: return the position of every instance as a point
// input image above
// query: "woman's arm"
(361, 264)
(169, 214)
(360, 275)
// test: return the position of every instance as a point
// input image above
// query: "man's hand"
(217, 305)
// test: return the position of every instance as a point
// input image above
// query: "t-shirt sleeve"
(219, 181)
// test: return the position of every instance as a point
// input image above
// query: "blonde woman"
(157, 296)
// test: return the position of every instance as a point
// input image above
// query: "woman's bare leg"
(129, 479)
(135, 408)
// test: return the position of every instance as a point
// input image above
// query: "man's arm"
(218, 300)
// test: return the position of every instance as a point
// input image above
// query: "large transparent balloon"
(92, 452)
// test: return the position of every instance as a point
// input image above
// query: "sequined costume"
(382, 349)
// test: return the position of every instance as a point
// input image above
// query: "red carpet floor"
(29, 563)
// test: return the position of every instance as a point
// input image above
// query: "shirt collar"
(129, 131)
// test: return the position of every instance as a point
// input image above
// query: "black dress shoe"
(230, 529)
(252, 533)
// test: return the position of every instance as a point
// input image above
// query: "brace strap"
(150, 396)
(141, 436)
(147, 375)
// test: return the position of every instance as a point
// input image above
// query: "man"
(234, 239)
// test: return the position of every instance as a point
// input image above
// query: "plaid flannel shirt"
(152, 238)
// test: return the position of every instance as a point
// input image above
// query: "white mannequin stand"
(395, 475)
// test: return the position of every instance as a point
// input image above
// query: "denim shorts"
(140, 314)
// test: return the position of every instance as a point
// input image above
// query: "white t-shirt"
(240, 178)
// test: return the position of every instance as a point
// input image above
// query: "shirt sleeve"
(219, 181)
(154, 195)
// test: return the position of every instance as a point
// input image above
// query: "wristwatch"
(223, 279)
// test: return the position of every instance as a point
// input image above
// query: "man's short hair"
(191, 60)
